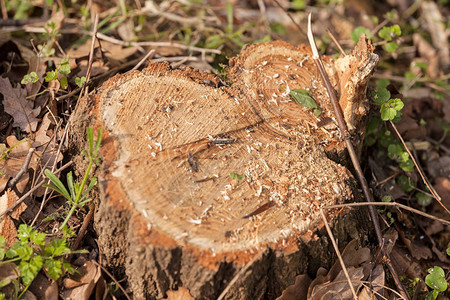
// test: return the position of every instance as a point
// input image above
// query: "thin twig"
(91, 55)
(44, 200)
(290, 17)
(25, 196)
(104, 37)
(149, 55)
(336, 42)
(83, 229)
(112, 277)
(23, 169)
(399, 205)
(424, 179)
(338, 253)
(353, 156)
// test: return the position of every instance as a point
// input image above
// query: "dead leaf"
(35, 64)
(297, 291)
(12, 164)
(334, 283)
(8, 273)
(376, 285)
(81, 286)
(339, 287)
(126, 31)
(44, 288)
(7, 227)
(442, 186)
(180, 294)
(16, 104)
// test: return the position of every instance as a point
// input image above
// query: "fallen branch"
(353, 156)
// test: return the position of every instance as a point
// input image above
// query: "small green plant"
(61, 72)
(32, 253)
(75, 194)
(435, 280)
(389, 108)
(387, 36)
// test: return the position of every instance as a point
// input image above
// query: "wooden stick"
(338, 253)
(352, 153)
(413, 210)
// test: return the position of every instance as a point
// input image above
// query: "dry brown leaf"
(339, 288)
(7, 227)
(180, 294)
(46, 154)
(35, 64)
(8, 272)
(16, 104)
(377, 283)
(442, 186)
(327, 286)
(44, 288)
(126, 31)
(12, 164)
(297, 291)
(82, 284)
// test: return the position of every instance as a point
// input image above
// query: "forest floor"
(48, 61)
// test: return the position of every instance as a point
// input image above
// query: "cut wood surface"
(200, 178)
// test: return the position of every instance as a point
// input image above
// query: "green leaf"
(59, 186)
(448, 251)
(405, 183)
(236, 176)
(382, 83)
(407, 166)
(51, 75)
(436, 279)
(70, 185)
(90, 138)
(54, 268)
(396, 104)
(38, 238)
(424, 199)
(29, 270)
(64, 83)
(304, 98)
(30, 78)
(24, 252)
(387, 113)
(65, 66)
(391, 47)
(229, 8)
(358, 31)
(278, 28)
(79, 81)
(24, 232)
(298, 4)
(386, 198)
(389, 109)
(99, 141)
(381, 96)
(60, 247)
(389, 32)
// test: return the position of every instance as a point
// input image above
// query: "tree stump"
(200, 179)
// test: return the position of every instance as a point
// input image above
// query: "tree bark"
(201, 179)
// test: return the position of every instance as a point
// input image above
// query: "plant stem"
(78, 195)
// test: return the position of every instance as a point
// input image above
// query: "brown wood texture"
(199, 179)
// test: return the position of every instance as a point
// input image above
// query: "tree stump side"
(200, 180)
